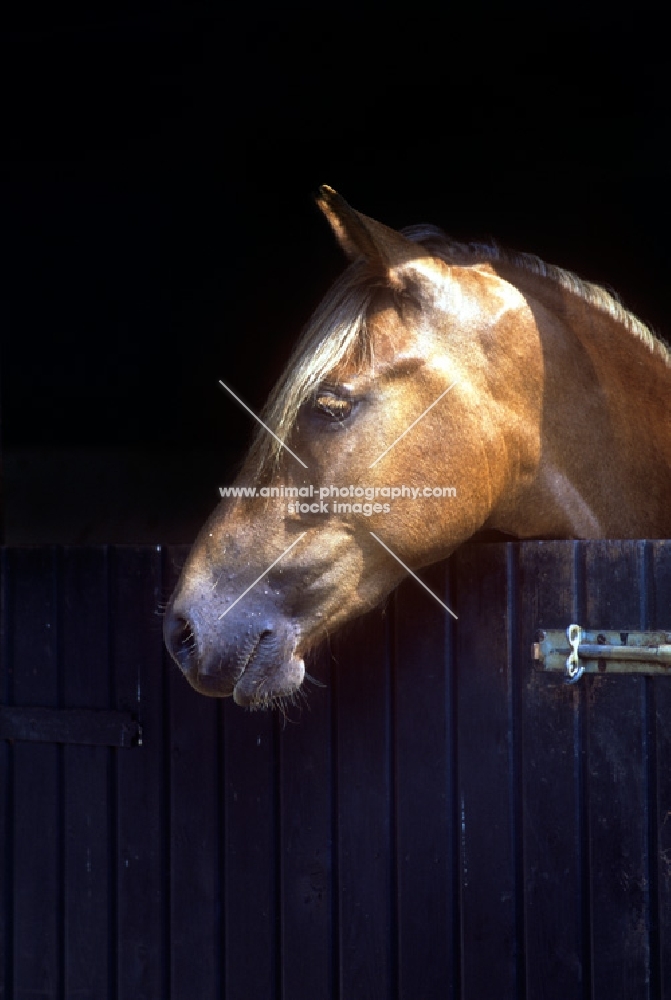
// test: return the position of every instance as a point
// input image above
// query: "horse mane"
(606, 301)
(337, 330)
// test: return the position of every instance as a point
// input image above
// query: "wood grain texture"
(441, 820)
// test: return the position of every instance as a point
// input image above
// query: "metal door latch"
(576, 651)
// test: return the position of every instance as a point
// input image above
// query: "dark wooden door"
(441, 820)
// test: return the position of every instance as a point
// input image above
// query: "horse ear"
(386, 250)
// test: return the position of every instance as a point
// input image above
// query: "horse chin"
(211, 686)
(265, 684)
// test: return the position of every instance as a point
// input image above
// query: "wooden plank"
(37, 817)
(195, 780)
(427, 844)
(557, 963)
(251, 860)
(88, 727)
(7, 887)
(660, 746)
(620, 904)
(86, 774)
(366, 919)
(489, 902)
(136, 651)
(306, 827)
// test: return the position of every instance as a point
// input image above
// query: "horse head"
(410, 413)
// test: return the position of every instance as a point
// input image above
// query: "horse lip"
(246, 658)
(269, 672)
(264, 669)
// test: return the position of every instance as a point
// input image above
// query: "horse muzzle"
(250, 654)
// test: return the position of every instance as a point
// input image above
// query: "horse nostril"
(180, 640)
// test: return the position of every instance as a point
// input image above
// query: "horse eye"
(332, 406)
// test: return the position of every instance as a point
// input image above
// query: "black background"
(159, 233)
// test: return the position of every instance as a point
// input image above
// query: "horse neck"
(605, 468)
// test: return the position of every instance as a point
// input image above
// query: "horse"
(533, 397)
